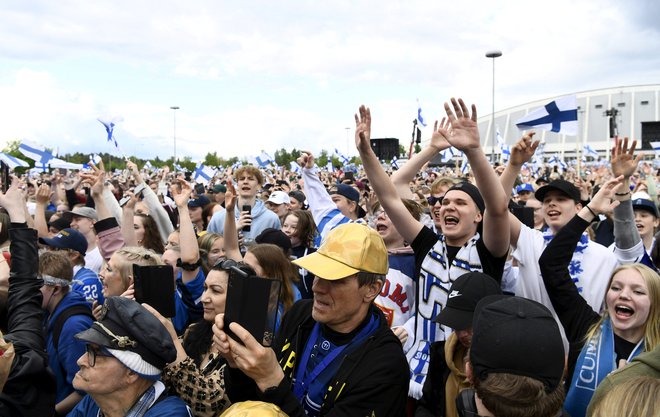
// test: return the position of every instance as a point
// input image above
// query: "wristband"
(591, 211)
(189, 266)
(622, 194)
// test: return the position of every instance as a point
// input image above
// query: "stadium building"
(632, 111)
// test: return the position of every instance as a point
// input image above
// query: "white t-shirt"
(94, 260)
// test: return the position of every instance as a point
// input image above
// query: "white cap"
(279, 197)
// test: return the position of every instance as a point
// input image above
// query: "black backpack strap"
(76, 310)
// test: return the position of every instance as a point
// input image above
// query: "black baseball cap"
(275, 237)
(464, 294)
(645, 204)
(472, 191)
(562, 186)
(515, 335)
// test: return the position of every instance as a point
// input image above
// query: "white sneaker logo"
(454, 293)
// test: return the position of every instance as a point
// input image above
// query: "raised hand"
(230, 197)
(181, 194)
(96, 178)
(524, 149)
(13, 202)
(363, 129)
(464, 133)
(603, 201)
(306, 160)
(624, 162)
(440, 132)
(43, 194)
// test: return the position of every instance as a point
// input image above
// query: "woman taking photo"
(630, 323)
(197, 373)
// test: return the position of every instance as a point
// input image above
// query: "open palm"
(464, 133)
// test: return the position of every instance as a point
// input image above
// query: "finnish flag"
(395, 163)
(295, 167)
(203, 174)
(13, 162)
(420, 118)
(343, 158)
(590, 151)
(558, 116)
(264, 159)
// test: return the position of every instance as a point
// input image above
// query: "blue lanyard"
(302, 379)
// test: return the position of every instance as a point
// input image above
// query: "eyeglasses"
(432, 200)
(92, 353)
(229, 265)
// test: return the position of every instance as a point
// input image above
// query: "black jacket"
(30, 388)
(372, 379)
(575, 315)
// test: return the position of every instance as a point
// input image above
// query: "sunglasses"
(433, 200)
(92, 353)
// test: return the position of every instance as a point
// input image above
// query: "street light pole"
(493, 55)
(348, 145)
(175, 108)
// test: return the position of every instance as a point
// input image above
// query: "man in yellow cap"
(333, 355)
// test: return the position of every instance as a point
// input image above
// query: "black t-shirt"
(426, 239)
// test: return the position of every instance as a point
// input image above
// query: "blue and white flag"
(329, 167)
(394, 163)
(12, 162)
(420, 118)
(263, 160)
(505, 150)
(465, 168)
(295, 167)
(557, 116)
(656, 147)
(110, 128)
(555, 160)
(179, 168)
(148, 165)
(203, 174)
(589, 151)
(342, 158)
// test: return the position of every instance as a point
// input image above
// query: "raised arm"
(402, 177)
(464, 135)
(156, 209)
(40, 223)
(624, 163)
(187, 237)
(521, 153)
(320, 202)
(232, 249)
(128, 219)
(405, 223)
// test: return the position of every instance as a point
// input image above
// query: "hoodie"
(262, 219)
(62, 360)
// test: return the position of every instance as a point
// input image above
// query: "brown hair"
(249, 170)
(518, 396)
(56, 264)
(151, 239)
(306, 228)
(277, 266)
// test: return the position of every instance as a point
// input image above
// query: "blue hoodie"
(63, 360)
(262, 219)
(89, 285)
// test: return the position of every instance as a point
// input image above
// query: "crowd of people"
(420, 291)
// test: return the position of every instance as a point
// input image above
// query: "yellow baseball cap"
(254, 409)
(345, 251)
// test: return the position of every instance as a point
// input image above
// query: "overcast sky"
(255, 75)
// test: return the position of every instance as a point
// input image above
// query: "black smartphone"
(6, 180)
(252, 302)
(524, 214)
(154, 285)
(246, 207)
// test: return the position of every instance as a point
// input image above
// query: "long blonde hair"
(636, 396)
(652, 325)
(129, 255)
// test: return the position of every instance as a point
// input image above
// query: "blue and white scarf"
(575, 266)
(597, 359)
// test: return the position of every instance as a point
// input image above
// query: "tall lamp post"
(174, 108)
(493, 55)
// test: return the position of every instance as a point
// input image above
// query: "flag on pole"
(342, 158)
(203, 174)
(589, 151)
(557, 116)
(394, 163)
(12, 162)
(420, 118)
